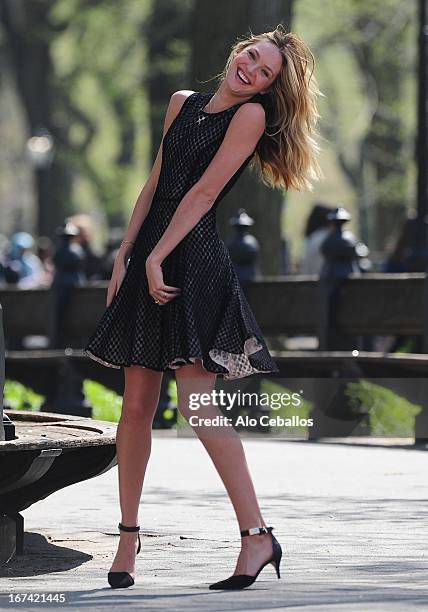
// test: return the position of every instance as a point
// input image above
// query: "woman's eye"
(252, 55)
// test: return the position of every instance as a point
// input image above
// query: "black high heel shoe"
(121, 580)
(240, 581)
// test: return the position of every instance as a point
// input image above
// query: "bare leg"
(133, 444)
(227, 453)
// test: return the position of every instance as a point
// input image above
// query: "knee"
(138, 413)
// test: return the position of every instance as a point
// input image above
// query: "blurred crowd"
(69, 260)
(28, 263)
(324, 220)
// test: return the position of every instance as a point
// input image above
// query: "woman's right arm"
(144, 200)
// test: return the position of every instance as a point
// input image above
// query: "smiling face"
(254, 68)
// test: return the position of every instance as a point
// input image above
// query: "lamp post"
(420, 239)
(40, 151)
(422, 144)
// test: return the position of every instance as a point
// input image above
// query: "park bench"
(370, 304)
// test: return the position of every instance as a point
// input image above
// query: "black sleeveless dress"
(211, 318)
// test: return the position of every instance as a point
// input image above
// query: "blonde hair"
(286, 155)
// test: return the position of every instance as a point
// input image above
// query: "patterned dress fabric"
(211, 318)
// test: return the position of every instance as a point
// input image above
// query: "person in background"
(69, 260)
(317, 229)
(399, 257)
(4, 246)
(21, 266)
(93, 264)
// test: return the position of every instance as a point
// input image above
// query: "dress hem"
(224, 358)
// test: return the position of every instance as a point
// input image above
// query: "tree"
(167, 31)
(378, 40)
(80, 80)
(29, 34)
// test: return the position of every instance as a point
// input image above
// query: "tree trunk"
(168, 25)
(26, 25)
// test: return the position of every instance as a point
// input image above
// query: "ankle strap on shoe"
(125, 528)
(256, 531)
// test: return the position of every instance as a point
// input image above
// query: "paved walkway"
(352, 520)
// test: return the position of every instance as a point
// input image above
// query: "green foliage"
(172, 391)
(365, 54)
(102, 69)
(170, 413)
(100, 63)
(389, 413)
(106, 404)
(408, 345)
(19, 397)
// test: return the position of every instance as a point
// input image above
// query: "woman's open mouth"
(241, 76)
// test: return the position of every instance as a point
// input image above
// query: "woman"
(318, 227)
(185, 310)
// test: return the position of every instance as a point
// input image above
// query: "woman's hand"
(157, 288)
(119, 270)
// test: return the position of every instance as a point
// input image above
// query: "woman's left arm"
(242, 135)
